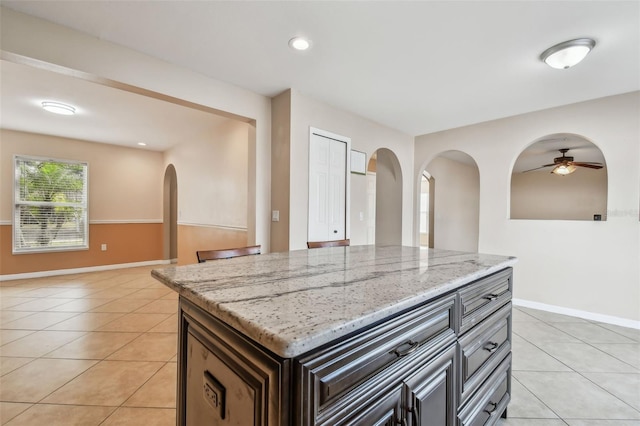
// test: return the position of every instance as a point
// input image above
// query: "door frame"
(347, 192)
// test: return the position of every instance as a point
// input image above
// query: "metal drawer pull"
(491, 346)
(491, 297)
(493, 409)
(412, 348)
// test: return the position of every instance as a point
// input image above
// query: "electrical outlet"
(103, 247)
(275, 216)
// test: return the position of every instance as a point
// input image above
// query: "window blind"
(50, 211)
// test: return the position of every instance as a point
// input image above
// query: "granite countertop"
(295, 301)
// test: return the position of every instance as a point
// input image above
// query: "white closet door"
(327, 188)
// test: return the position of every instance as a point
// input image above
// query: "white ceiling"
(103, 114)
(417, 66)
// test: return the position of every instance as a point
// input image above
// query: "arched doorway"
(455, 218)
(384, 206)
(427, 203)
(170, 214)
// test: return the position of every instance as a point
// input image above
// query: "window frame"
(83, 221)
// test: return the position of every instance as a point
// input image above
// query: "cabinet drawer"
(328, 375)
(482, 349)
(482, 298)
(490, 401)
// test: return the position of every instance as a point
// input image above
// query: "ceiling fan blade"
(588, 165)
(538, 168)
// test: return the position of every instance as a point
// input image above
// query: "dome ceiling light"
(58, 108)
(567, 54)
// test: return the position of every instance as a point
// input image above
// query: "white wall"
(366, 136)
(456, 204)
(41, 40)
(582, 265)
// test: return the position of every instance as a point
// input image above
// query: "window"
(50, 210)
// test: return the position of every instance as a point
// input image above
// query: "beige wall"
(456, 204)
(41, 40)
(125, 202)
(583, 265)
(544, 195)
(388, 213)
(366, 136)
(125, 184)
(212, 177)
(280, 172)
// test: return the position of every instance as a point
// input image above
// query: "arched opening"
(427, 202)
(384, 199)
(170, 214)
(455, 206)
(559, 177)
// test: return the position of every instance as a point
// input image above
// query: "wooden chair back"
(334, 243)
(205, 255)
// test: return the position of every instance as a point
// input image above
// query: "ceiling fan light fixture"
(567, 54)
(58, 108)
(564, 169)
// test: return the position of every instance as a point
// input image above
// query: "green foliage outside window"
(51, 205)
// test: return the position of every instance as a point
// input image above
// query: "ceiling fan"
(565, 165)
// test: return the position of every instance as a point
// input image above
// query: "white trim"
(102, 222)
(208, 225)
(41, 274)
(608, 319)
(123, 221)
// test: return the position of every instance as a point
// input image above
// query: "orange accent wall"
(126, 243)
(193, 238)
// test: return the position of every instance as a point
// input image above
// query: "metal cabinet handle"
(493, 409)
(413, 346)
(491, 347)
(335, 231)
(491, 297)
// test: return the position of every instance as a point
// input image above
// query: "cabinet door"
(430, 395)
(385, 411)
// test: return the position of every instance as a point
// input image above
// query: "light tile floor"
(570, 371)
(100, 349)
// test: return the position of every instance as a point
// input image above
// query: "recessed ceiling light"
(568, 53)
(299, 43)
(142, 144)
(58, 108)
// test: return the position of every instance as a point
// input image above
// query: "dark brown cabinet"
(443, 363)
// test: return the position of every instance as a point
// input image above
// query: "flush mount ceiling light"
(299, 43)
(142, 144)
(567, 54)
(58, 108)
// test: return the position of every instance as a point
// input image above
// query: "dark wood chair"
(334, 243)
(205, 255)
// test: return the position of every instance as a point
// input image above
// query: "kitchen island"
(344, 335)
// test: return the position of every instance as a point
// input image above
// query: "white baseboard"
(53, 273)
(608, 319)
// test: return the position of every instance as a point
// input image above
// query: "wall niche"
(560, 177)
